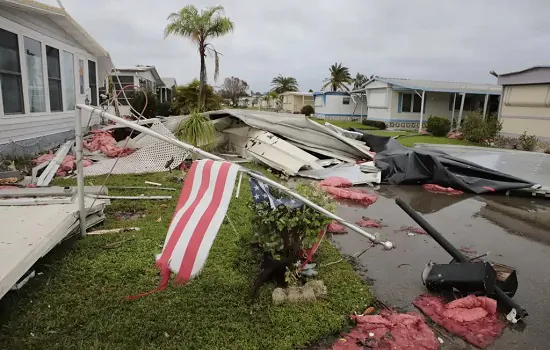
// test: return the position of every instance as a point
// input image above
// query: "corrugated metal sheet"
(442, 86)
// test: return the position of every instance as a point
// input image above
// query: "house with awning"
(48, 64)
(407, 103)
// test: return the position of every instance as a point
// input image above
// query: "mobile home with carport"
(407, 103)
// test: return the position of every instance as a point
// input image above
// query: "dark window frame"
(17, 74)
(346, 100)
(92, 73)
(54, 79)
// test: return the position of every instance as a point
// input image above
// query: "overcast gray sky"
(458, 40)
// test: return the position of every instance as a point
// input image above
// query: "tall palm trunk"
(202, 85)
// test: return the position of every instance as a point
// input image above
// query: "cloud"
(425, 39)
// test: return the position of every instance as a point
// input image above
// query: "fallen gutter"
(374, 238)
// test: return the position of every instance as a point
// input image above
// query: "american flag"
(200, 211)
(262, 194)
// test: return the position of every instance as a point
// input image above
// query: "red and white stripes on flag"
(200, 211)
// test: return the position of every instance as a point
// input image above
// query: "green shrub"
(438, 126)
(375, 124)
(528, 142)
(138, 103)
(282, 232)
(164, 109)
(197, 130)
(506, 142)
(475, 129)
(307, 110)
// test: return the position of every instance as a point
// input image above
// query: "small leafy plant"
(307, 110)
(476, 129)
(438, 126)
(197, 130)
(528, 142)
(283, 232)
(375, 123)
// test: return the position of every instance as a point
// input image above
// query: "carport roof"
(441, 86)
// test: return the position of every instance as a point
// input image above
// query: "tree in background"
(310, 90)
(138, 103)
(199, 27)
(186, 98)
(234, 88)
(339, 77)
(359, 81)
(270, 96)
(283, 84)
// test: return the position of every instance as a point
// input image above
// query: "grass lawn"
(344, 124)
(79, 300)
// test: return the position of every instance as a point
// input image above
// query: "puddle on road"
(515, 230)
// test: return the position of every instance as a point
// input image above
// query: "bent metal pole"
(374, 238)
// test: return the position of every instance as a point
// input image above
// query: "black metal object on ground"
(466, 277)
(502, 297)
(407, 166)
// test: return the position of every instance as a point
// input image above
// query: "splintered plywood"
(29, 233)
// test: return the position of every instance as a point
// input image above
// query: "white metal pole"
(421, 111)
(485, 105)
(461, 110)
(361, 109)
(453, 112)
(185, 146)
(80, 171)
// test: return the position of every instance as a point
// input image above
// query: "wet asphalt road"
(516, 231)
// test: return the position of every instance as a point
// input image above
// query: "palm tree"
(339, 77)
(199, 27)
(359, 81)
(283, 84)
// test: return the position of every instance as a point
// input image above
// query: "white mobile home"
(339, 105)
(48, 64)
(294, 101)
(407, 103)
(525, 103)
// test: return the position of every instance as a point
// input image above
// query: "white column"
(461, 110)
(453, 112)
(80, 170)
(485, 106)
(421, 111)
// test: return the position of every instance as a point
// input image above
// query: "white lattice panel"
(151, 157)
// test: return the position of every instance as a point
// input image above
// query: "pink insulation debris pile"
(336, 227)
(443, 190)
(338, 188)
(412, 229)
(389, 330)
(336, 181)
(472, 318)
(67, 165)
(455, 135)
(369, 223)
(103, 141)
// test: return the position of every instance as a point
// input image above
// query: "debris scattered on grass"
(115, 230)
(67, 165)
(124, 215)
(369, 311)
(153, 183)
(159, 219)
(472, 318)
(105, 142)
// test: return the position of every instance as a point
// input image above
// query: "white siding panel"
(377, 98)
(40, 24)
